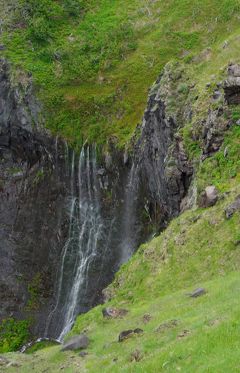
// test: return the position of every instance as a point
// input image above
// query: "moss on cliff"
(93, 61)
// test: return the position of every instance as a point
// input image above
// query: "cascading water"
(81, 248)
(98, 240)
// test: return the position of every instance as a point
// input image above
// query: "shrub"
(13, 334)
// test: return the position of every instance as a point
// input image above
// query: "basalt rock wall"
(138, 194)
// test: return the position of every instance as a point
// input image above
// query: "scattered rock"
(136, 356)
(232, 85)
(234, 207)
(108, 294)
(78, 342)
(217, 95)
(209, 197)
(83, 353)
(197, 293)
(234, 70)
(146, 318)
(138, 331)
(167, 325)
(113, 313)
(128, 333)
(2, 47)
(225, 154)
(184, 333)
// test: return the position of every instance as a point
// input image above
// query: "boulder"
(234, 70)
(209, 197)
(232, 85)
(79, 342)
(113, 313)
(129, 333)
(197, 293)
(234, 207)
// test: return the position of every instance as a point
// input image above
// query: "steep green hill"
(93, 67)
(93, 61)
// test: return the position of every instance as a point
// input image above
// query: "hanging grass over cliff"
(93, 61)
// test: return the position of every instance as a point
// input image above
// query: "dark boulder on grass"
(197, 293)
(234, 207)
(209, 197)
(129, 333)
(79, 342)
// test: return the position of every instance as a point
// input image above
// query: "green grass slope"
(200, 248)
(93, 71)
(93, 61)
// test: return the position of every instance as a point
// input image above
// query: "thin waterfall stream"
(92, 237)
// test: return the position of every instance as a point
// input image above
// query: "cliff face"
(32, 197)
(40, 177)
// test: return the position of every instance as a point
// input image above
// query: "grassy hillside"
(200, 248)
(94, 60)
(93, 66)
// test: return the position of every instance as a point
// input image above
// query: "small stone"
(146, 318)
(136, 356)
(138, 331)
(128, 333)
(225, 154)
(234, 70)
(217, 94)
(83, 353)
(197, 293)
(167, 325)
(184, 333)
(233, 208)
(76, 343)
(238, 122)
(113, 313)
(125, 334)
(2, 47)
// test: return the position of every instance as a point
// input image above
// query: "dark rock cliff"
(138, 195)
(31, 198)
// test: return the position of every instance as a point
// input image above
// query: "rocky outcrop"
(164, 169)
(32, 192)
(209, 197)
(40, 179)
(232, 85)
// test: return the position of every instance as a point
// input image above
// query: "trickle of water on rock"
(90, 240)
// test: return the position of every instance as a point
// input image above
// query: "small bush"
(13, 334)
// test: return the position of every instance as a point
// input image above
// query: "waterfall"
(81, 248)
(98, 240)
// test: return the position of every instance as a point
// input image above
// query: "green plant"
(13, 334)
(34, 290)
